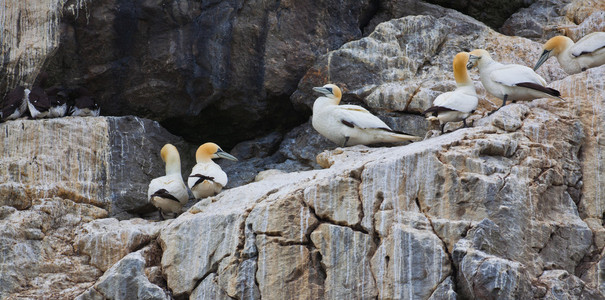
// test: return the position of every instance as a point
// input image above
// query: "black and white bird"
(38, 102)
(58, 98)
(14, 103)
(84, 104)
(168, 193)
(588, 52)
(349, 125)
(456, 105)
(511, 81)
(207, 178)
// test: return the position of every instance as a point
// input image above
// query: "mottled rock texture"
(511, 208)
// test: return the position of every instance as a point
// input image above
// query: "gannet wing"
(359, 116)
(512, 74)
(589, 44)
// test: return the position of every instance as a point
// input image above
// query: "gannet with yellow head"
(349, 125)
(169, 193)
(456, 105)
(588, 52)
(207, 178)
(509, 82)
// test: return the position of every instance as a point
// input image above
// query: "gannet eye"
(330, 89)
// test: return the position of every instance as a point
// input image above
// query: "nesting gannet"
(511, 81)
(207, 178)
(38, 102)
(169, 193)
(58, 101)
(14, 103)
(588, 52)
(456, 105)
(349, 125)
(84, 104)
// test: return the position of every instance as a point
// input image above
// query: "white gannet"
(207, 178)
(456, 105)
(588, 52)
(38, 102)
(14, 103)
(511, 81)
(169, 193)
(84, 104)
(349, 125)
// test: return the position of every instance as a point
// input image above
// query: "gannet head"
(330, 91)
(170, 155)
(209, 151)
(553, 47)
(475, 56)
(459, 64)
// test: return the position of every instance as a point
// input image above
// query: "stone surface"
(104, 161)
(126, 280)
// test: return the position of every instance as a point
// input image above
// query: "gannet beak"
(322, 90)
(222, 154)
(471, 61)
(543, 58)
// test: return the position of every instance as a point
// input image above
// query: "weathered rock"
(126, 280)
(445, 291)
(38, 258)
(336, 200)
(345, 256)
(203, 65)
(122, 237)
(545, 19)
(563, 285)
(209, 289)
(104, 161)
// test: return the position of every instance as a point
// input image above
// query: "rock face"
(511, 208)
(101, 161)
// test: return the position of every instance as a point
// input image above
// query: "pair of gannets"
(511, 81)
(349, 125)
(169, 193)
(588, 52)
(456, 105)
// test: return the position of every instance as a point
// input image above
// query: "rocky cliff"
(511, 208)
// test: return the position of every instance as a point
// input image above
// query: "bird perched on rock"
(349, 125)
(588, 52)
(58, 101)
(511, 81)
(207, 178)
(84, 104)
(456, 105)
(38, 102)
(14, 103)
(169, 193)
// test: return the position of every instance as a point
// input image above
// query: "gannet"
(456, 105)
(84, 104)
(349, 125)
(58, 101)
(511, 81)
(169, 193)
(588, 52)
(207, 178)
(14, 103)
(37, 102)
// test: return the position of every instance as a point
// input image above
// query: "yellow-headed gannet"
(169, 193)
(349, 125)
(509, 82)
(14, 103)
(207, 178)
(456, 105)
(588, 52)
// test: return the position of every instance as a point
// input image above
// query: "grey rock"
(126, 280)
(445, 291)
(209, 289)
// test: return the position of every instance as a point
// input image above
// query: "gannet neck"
(460, 73)
(170, 155)
(206, 152)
